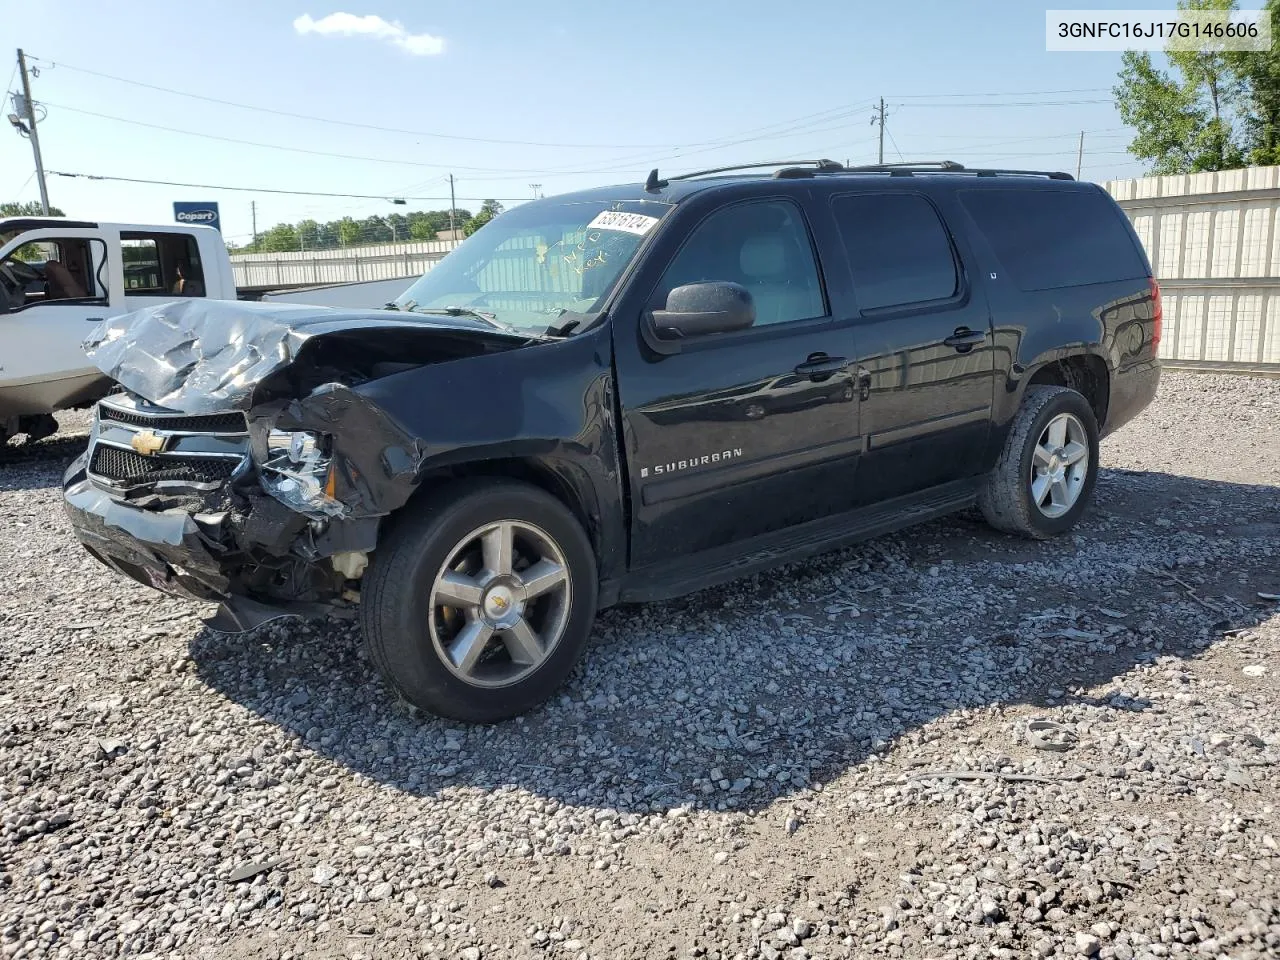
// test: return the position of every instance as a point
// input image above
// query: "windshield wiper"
(488, 318)
(567, 321)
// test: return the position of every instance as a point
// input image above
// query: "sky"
(507, 95)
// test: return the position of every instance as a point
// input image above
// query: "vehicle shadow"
(744, 693)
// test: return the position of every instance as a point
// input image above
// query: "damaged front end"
(238, 462)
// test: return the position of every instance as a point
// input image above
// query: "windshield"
(537, 261)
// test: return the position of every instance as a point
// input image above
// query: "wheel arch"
(1085, 372)
(568, 482)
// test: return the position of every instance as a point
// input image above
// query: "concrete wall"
(1213, 244)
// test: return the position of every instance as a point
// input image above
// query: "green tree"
(348, 231)
(282, 238)
(421, 227)
(1259, 71)
(308, 234)
(375, 229)
(1196, 115)
(29, 209)
(488, 210)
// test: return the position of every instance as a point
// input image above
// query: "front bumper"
(186, 555)
(164, 549)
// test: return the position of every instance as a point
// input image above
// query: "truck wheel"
(1045, 475)
(480, 601)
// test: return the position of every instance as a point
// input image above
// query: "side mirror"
(696, 309)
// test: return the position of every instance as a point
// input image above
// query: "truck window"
(65, 268)
(898, 249)
(161, 265)
(1055, 238)
(763, 245)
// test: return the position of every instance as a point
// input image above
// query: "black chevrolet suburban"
(622, 394)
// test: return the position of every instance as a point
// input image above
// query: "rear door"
(924, 343)
(739, 434)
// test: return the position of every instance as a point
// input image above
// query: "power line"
(269, 146)
(1012, 93)
(368, 126)
(895, 144)
(795, 128)
(1011, 103)
(296, 193)
(1103, 133)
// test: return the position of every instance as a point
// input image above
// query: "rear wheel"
(1046, 473)
(478, 604)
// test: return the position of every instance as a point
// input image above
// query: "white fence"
(385, 261)
(1213, 244)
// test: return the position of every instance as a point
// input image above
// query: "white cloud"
(393, 31)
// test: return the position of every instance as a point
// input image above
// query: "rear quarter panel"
(1112, 321)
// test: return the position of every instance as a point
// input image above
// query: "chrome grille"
(213, 423)
(113, 463)
(135, 444)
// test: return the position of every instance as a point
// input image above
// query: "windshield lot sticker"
(636, 223)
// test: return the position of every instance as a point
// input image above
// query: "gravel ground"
(834, 760)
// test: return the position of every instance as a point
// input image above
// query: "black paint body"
(692, 465)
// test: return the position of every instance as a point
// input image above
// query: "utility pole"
(253, 206)
(453, 237)
(878, 117)
(1080, 155)
(35, 137)
(536, 188)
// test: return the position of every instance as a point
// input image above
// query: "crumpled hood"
(206, 356)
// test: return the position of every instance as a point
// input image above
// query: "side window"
(898, 249)
(141, 268)
(1055, 238)
(763, 245)
(45, 271)
(161, 265)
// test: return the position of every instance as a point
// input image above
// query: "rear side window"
(898, 249)
(161, 265)
(1055, 238)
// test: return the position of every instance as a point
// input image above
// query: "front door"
(55, 288)
(746, 433)
(924, 338)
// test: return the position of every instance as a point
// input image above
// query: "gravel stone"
(829, 760)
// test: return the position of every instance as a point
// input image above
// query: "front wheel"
(478, 604)
(1045, 476)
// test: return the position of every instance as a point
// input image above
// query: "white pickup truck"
(58, 277)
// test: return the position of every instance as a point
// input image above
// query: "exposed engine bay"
(240, 455)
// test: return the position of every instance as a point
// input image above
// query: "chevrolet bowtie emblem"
(147, 443)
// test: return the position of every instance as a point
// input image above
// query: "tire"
(411, 633)
(1008, 497)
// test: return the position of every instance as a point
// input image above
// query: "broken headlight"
(299, 473)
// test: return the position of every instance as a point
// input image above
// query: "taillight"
(1157, 316)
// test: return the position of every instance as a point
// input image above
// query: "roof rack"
(654, 182)
(792, 169)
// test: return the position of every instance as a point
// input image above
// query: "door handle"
(965, 339)
(819, 366)
(94, 319)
